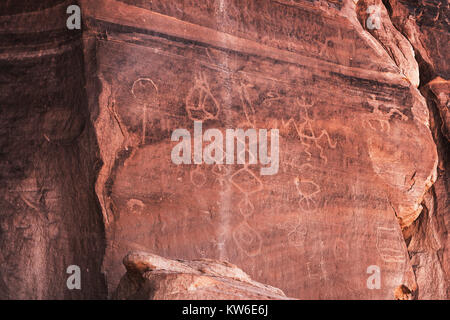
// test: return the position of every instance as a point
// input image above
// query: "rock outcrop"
(155, 278)
(49, 213)
(426, 26)
(360, 177)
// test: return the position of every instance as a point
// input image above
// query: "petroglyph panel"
(316, 216)
(87, 119)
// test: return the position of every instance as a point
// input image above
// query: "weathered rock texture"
(426, 26)
(86, 142)
(49, 213)
(153, 277)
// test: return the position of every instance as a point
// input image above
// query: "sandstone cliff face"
(426, 25)
(363, 122)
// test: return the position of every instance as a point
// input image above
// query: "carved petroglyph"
(246, 207)
(246, 102)
(222, 173)
(201, 105)
(246, 181)
(146, 92)
(306, 189)
(389, 245)
(135, 205)
(295, 163)
(283, 125)
(317, 271)
(296, 232)
(378, 120)
(307, 134)
(198, 177)
(247, 239)
(297, 237)
(219, 244)
(303, 128)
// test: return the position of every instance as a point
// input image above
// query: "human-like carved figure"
(247, 105)
(304, 129)
(246, 175)
(307, 189)
(307, 135)
(201, 105)
(146, 92)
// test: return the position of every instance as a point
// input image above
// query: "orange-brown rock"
(86, 140)
(350, 176)
(425, 24)
(155, 278)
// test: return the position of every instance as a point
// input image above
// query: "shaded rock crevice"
(49, 218)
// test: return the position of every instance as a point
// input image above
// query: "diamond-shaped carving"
(246, 181)
(246, 207)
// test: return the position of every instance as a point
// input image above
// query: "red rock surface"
(49, 213)
(363, 165)
(151, 277)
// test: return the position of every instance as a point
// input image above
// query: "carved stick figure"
(146, 92)
(201, 105)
